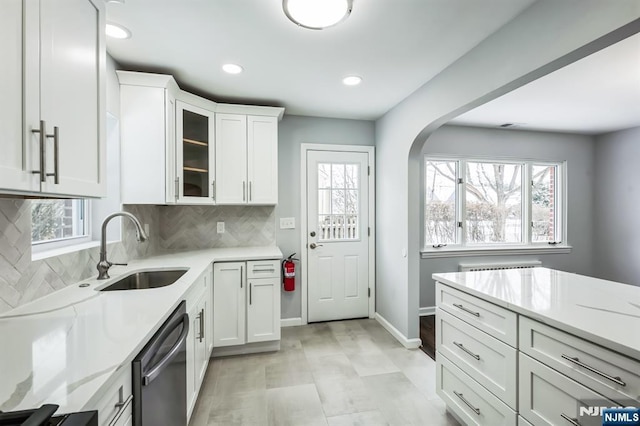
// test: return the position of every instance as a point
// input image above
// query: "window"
(54, 221)
(473, 204)
(338, 205)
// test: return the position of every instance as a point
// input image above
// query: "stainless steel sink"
(147, 279)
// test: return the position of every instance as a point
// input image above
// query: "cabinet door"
(195, 154)
(229, 296)
(262, 161)
(201, 353)
(15, 138)
(72, 95)
(208, 281)
(192, 351)
(231, 159)
(263, 310)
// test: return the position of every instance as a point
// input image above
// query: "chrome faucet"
(104, 264)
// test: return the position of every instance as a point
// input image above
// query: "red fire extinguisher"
(289, 273)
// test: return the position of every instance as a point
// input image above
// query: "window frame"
(527, 245)
(39, 247)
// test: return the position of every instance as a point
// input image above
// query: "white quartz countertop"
(604, 312)
(67, 347)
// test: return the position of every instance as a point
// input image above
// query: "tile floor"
(332, 374)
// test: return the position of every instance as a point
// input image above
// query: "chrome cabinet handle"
(42, 131)
(250, 191)
(575, 360)
(244, 196)
(461, 346)
(467, 310)
(213, 190)
(201, 317)
(121, 406)
(241, 277)
(571, 420)
(177, 184)
(250, 292)
(459, 395)
(56, 156)
(313, 246)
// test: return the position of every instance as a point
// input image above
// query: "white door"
(337, 235)
(262, 160)
(263, 310)
(231, 159)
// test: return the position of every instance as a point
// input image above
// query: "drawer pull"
(571, 420)
(477, 314)
(264, 270)
(461, 346)
(121, 406)
(459, 395)
(576, 361)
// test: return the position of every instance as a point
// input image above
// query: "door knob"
(313, 246)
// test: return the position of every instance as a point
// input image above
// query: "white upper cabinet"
(53, 104)
(148, 138)
(195, 154)
(247, 159)
(231, 158)
(262, 159)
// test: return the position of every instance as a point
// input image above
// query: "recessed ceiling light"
(117, 31)
(232, 68)
(352, 80)
(317, 14)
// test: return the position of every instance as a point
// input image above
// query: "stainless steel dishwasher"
(160, 375)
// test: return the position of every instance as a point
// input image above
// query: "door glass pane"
(324, 175)
(543, 203)
(440, 202)
(494, 202)
(195, 153)
(338, 201)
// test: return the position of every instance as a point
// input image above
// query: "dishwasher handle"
(149, 375)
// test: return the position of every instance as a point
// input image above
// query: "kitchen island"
(533, 346)
(69, 347)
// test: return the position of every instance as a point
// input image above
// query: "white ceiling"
(395, 45)
(598, 94)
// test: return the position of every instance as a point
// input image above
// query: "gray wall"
(617, 207)
(293, 131)
(577, 150)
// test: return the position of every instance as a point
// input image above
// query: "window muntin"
(338, 201)
(475, 203)
(58, 220)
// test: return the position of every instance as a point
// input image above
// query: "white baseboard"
(290, 322)
(429, 310)
(249, 348)
(406, 342)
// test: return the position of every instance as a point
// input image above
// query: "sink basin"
(146, 279)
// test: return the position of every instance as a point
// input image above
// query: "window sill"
(490, 251)
(54, 252)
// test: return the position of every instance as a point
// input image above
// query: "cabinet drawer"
(263, 269)
(114, 407)
(608, 373)
(492, 319)
(550, 398)
(465, 397)
(486, 359)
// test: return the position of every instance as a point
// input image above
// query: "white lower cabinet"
(246, 303)
(550, 398)
(199, 305)
(115, 406)
(470, 401)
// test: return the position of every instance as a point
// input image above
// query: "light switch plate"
(287, 223)
(220, 227)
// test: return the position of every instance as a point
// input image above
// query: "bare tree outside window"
(57, 220)
(338, 201)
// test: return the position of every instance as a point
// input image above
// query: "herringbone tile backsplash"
(172, 228)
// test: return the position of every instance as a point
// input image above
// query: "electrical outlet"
(220, 227)
(287, 223)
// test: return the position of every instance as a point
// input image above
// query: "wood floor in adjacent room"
(335, 374)
(428, 335)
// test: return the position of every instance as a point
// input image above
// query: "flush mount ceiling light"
(117, 31)
(317, 14)
(232, 68)
(352, 80)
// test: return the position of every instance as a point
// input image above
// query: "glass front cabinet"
(195, 155)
